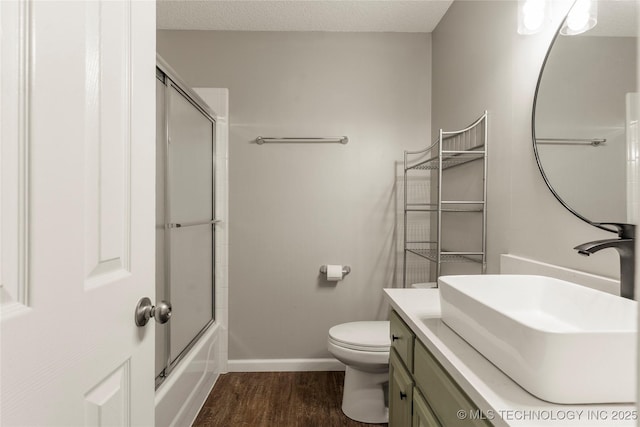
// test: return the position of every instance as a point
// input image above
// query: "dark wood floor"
(276, 399)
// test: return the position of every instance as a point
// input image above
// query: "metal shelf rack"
(451, 149)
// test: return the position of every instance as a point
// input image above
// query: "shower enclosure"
(185, 232)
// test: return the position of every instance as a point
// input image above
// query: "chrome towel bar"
(270, 139)
(572, 141)
(191, 224)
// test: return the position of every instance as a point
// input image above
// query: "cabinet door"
(422, 414)
(401, 339)
(400, 393)
(442, 393)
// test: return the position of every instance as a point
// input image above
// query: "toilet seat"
(370, 336)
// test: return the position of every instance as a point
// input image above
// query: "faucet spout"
(621, 245)
(625, 247)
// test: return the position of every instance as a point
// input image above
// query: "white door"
(78, 157)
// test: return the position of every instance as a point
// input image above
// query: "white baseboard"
(284, 365)
(512, 264)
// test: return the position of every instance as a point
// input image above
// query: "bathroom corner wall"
(294, 207)
(480, 62)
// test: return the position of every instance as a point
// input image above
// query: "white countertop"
(504, 401)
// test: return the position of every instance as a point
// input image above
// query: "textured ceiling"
(302, 15)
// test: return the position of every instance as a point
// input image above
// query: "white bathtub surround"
(499, 397)
(182, 394)
(633, 156)
(218, 100)
(513, 264)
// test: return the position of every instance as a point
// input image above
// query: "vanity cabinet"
(423, 416)
(402, 340)
(400, 392)
(421, 392)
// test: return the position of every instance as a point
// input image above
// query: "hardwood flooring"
(276, 399)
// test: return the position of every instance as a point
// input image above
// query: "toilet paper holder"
(345, 269)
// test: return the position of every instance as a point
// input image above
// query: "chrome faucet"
(624, 244)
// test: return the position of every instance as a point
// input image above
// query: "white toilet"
(364, 348)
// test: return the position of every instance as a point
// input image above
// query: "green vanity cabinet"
(434, 399)
(400, 392)
(402, 339)
(423, 416)
(443, 394)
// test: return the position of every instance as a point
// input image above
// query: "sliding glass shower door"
(185, 220)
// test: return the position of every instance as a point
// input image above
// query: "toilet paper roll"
(334, 273)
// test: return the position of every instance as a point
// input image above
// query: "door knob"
(145, 311)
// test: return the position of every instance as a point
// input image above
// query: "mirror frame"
(534, 140)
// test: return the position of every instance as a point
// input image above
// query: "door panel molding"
(107, 403)
(108, 147)
(15, 93)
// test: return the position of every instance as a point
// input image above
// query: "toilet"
(364, 348)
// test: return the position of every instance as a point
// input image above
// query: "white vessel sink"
(562, 342)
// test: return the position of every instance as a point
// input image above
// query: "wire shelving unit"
(451, 149)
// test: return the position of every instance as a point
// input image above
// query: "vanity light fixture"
(532, 16)
(582, 17)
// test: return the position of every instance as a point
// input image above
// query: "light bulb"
(531, 16)
(533, 20)
(582, 17)
(577, 21)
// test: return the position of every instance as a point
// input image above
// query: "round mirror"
(585, 113)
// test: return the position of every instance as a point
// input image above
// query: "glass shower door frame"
(170, 81)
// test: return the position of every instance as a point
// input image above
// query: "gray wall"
(480, 62)
(295, 207)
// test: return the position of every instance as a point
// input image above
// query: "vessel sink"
(562, 342)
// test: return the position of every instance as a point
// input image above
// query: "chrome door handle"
(145, 311)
